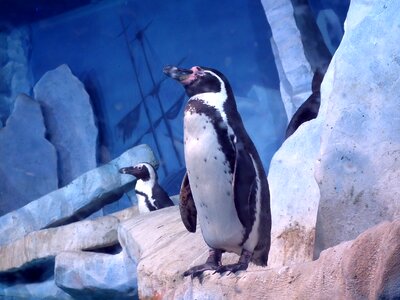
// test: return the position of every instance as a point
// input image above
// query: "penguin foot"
(241, 265)
(213, 263)
(197, 271)
(233, 268)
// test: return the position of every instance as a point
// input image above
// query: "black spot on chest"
(198, 106)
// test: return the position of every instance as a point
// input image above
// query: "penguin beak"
(128, 170)
(176, 73)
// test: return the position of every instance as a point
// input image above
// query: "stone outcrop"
(38, 250)
(358, 167)
(88, 275)
(45, 244)
(164, 250)
(294, 70)
(301, 58)
(22, 147)
(14, 70)
(46, 289)
(343, 165)
(85, 195)
(69, 121)
(294, 197)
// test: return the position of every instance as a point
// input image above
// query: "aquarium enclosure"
(83, 93)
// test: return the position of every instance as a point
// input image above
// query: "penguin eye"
(139, 168)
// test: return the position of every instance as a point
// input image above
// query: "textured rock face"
(96, 275)
(38, 250)
(351, 148)
(358, 169)
(34, 291)
(294, 197)
(22, 142)
(45, 244)
(69, 121)
(295, 193)
(294, 70)
(14, 71)
(366, 268)
(85, 195)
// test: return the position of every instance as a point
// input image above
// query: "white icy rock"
(359, 162)
(293, 67)
(351, 148)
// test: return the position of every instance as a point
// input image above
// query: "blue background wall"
(230, 36)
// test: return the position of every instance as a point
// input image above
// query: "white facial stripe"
(216, 100)
(151, 171)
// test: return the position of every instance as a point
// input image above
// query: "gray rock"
(88, 275)
(294, 197)
(86, 194)
(46, 290)
(164, 250)
(294, 70)
(14, 72)
(69, 121)
(358, 169)
(44, 245)
(25, 175)
(339, 149)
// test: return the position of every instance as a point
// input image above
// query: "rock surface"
(88, 275)
(20, 158)
(351, 146)
(164, 249)
(45, 244)
(83, 196)
(294, 197)
(27, 275)
(69, 121)
(14, 70)
(294, 70)
(358, 168)
(34, 291)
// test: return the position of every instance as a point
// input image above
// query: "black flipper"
(244, 188)
(161, 197)
(186, 206)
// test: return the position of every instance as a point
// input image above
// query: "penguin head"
(198, 80)
(142, 171)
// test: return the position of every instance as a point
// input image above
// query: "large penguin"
(225, 184)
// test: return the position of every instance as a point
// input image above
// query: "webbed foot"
(213, 263)
(233, 268)
(241, 265)
(197, 271)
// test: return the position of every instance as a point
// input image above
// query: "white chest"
(211, 183)
(144, 187)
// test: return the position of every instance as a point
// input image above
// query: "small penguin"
(150, 194)
(225, 184)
